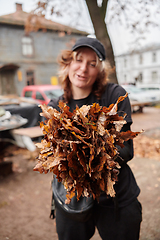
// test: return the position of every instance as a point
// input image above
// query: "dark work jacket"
(126, 188)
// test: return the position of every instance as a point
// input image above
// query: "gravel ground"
(25, 195)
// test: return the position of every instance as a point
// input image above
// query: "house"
(139, 67)
(28, 58)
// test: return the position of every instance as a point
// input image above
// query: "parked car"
(137, 94)
(42, 93)
(149, 86)
(153, 89)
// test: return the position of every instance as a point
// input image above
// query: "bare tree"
(97, 14)
(137, 16)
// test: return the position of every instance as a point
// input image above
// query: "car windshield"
(149, 88)
(133, 90)
(53, 93)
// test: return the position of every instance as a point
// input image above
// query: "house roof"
(20, 18)
(147, 48)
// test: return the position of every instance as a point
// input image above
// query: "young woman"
(83, 76)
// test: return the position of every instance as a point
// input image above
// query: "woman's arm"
(126, 153)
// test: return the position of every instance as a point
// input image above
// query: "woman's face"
(83, 70)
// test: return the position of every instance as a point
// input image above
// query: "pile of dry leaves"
(148, 147)
(80, 147)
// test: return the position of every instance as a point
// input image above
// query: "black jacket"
(126, 188)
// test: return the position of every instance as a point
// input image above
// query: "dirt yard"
(25, 195)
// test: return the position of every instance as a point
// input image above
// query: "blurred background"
(32, 34)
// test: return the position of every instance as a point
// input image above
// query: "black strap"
(52, 213)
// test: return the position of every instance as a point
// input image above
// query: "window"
(154, 76)
(154, 57)
(28, 94)
(39, 96)
(140, 77)
(30, 78)
(27, 46)
(53, 93)
(125, 62)
(140, 59)
(125, 78)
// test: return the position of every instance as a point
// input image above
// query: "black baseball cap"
(93, 43)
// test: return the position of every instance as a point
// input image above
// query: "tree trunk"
(97, 17)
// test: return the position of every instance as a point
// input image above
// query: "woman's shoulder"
(114, 88)
(112, 92)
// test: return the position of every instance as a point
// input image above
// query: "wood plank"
(31, 132)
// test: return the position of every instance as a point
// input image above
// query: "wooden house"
(28, 58)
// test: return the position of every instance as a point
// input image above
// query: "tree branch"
(101, 33)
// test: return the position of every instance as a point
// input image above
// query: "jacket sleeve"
(113, 93)
(126, 153)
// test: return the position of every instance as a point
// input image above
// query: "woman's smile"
(81, 77)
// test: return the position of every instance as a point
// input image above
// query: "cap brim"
(87, 45)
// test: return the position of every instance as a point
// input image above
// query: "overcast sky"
(121, 38)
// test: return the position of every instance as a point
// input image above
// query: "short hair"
(64, 60)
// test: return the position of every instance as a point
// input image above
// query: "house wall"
(129, 67)
(46, 45)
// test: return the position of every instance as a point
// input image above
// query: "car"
(42, 93)
(149, 86)
(153, 89)
(142, 96)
